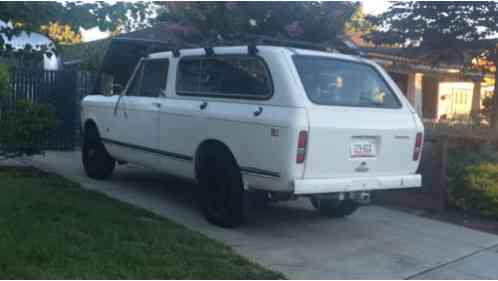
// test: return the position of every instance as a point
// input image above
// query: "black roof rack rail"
(209, 51)
(340, 44)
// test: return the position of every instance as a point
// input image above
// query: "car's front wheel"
(335, 208)
(97, 162)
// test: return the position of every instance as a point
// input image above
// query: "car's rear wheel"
(97, 162)
(221, 188)
(335, 208)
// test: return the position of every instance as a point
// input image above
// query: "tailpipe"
(363, 197)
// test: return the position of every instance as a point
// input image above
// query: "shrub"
(4, 82)
(23, 124)
(459, 159)
(480, 194)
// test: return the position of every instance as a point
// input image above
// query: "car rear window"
(329, 81)
(224, 76)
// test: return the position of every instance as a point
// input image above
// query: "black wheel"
(335, 208)
(221, 188)
(98, 164)
(259, 199)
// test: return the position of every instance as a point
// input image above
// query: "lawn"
(50, 228)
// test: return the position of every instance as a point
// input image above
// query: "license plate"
(362, 149)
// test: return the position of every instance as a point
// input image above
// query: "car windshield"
(329, 81)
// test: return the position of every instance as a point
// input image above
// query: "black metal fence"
(62, 89)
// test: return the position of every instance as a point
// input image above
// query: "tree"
(62, 34)
(19, 17)
(447, 30)
(310, 21)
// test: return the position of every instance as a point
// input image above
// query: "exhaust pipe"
(363, 198)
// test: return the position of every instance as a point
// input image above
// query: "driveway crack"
(414, 276)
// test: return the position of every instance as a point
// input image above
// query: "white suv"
(277, 122)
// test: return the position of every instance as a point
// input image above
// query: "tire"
(259, 199)
(97, 162)
(334, 208)
(221, 188)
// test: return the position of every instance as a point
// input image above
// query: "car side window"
(230, 76)
(154, 77)
(134, 88)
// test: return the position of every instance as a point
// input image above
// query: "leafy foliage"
(30, 17)
(61, 33)
(481, 190)
(487, 109)
(459, 161)
(311, 21)
(22, 128)
(4, 81)
(437, 26)
(22, 123)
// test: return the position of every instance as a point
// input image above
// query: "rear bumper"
(317, 186)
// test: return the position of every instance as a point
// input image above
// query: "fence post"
(440, 180)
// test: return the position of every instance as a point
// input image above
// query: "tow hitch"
(362, 197)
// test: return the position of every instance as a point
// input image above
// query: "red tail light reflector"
(417, 150)
(301, 147)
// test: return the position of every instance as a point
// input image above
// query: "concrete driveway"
(373, 243)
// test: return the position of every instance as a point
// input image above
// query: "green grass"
(50, 228)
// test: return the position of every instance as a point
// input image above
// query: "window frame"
(221, 95)
(396, 98)
(138, 71)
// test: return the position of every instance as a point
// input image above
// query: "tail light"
(417, 150)
(301, 146)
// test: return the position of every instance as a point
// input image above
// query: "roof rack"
(341, 44)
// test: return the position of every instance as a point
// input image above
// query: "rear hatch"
(358, 127)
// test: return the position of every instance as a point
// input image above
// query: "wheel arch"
(89, 127)
(211, 144)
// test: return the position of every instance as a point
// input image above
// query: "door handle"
(157, 104)
(259, 111)
(203, 105)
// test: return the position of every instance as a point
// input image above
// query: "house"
(442, 92)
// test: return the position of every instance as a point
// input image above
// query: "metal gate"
(57, 88)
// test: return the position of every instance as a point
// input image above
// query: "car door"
(139, 112)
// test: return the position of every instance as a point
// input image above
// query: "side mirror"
(116, 89)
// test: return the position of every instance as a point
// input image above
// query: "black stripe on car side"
(186, 157)
(260, 172)
(152, 150)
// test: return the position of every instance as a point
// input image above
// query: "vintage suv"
(280, 122)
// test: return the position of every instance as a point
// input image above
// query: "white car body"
(165, 132)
